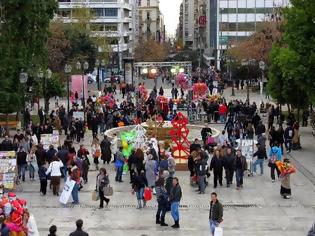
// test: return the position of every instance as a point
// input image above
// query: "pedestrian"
(52, 230)
(261, 155)
(275, 154)
(96, 152)
(102, 181)
(228, 163)
(32, 163)
(85, 168)
(43, 179)
(162, 199)
(79, 231)
(106, 150)
(139, 182)
(216, 165)
(171, 164)
(174, 198)
(119, 164)
(240, 167)
(285, 190)
(201, 171)
(215, 213)
(30, 224)
(75, 175)
(151, 171)
(21, 159)
(55, 173)
(288, 136)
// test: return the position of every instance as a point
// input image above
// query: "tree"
(150, 51)
(24, 32)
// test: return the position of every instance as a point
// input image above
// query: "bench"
(10, 124)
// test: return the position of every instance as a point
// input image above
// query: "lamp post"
(99, 64)
(45, 76)
(68, 69)
(84, 68)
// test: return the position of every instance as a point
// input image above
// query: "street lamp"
(98, 65)
(43, 76)
(68, 69)
(85, 68)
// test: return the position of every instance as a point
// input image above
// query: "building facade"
(111, 19)
(188, 23)
(150, 22)
(230, 21)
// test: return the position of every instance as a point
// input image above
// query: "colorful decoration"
(127, 140)
(143, 92)
(285, 168)
(140, 138)
(107, 100)
(182, 80)
(179, 134)
(200, 90)
(215, 98)
(162, 103)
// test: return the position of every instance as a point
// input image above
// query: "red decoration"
(143, 92)
(108, 100)
(179, 134)
(182, 81)
(200, 90)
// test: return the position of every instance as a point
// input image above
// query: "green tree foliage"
(24, 31)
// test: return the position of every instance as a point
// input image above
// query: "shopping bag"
(108, 190)
(218, 231)
(147, 195)
(95, 196)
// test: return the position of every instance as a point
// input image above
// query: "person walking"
(55, 173)
(21, 159)
(43, 179)
(52, 230)
(79, 231)
(216, 165)
(75, 176)
(215, 212)
(161, 197)
(119, 164)
(106, 150)
(261, 155)
(151, 171)
(275, 154)
(102, 181)
(30, 224)
(240, 167)
(139, 182)
(174, 198)
(228, 163)
(201, 171)
(288, 136)
(96, 152)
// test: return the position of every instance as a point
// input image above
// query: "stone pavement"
(256, 210)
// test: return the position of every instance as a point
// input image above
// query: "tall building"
(150, 20)
(111, 19)
(188, 23)
(179, 30)
(230, 21)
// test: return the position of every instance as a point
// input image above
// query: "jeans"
(202, 183)
(222, 118)
(64, 172)
(217, 175)
(31, 171)
(75, 193)
(259, 162)
(174, 210)
(213, 224)
(140, 193)
(160, 214)
(119, 171)
(21, 171)
(43, 186)
(102, 197)
(229, 175)
(288, 145)
(239, 177)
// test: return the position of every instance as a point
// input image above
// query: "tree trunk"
(298, 114)
(289, 108)
(7, 123)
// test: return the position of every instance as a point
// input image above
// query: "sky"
(170, 10)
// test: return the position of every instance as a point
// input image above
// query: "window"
(97, 27)
(148, 15)
(111, 12)
(64, 13)
(148, 2)
(111, 27)
(97, 12)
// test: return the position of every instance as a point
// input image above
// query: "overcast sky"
(170, 10)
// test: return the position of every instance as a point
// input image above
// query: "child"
(43, 179)
(85, 168)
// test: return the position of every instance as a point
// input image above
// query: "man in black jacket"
(21, 162)
(175, 197)
(7, 144)
(261, 155)
(79, 231)
(228, 163)
(215, 213)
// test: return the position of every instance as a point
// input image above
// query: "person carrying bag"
(102, 182)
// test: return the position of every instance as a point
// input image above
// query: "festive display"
(13, 210)
(179, 134)
(285, 168)
(127, 141)
(107, 100)
(140, 138)
(200, 90)
(143, 92)
(215, 98)
(162, 103)
(182, 81)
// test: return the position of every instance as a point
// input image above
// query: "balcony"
(94, 4)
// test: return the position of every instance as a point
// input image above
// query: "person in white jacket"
(55, 174)
(30, 224)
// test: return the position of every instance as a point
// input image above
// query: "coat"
(32, 227)
(106, 150)
(150, 170)
(217, 211)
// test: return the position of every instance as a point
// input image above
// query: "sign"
(50, 139)
(66, 192)
(78, 115)
(8, 169)
(223, 39)
(202, 21)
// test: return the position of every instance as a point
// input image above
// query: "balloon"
(124, 144)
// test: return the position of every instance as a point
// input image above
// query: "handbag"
(95, 196)
(218, 231)
(147, 195)
(108, 190)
